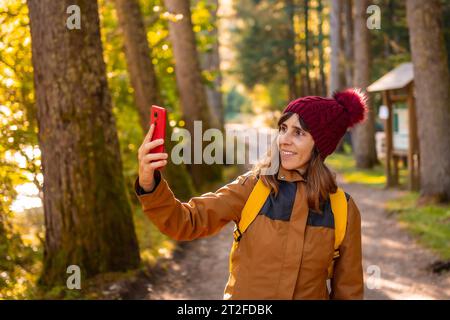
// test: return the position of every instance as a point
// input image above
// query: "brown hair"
(320, 181)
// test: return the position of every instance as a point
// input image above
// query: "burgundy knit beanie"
(329, 118)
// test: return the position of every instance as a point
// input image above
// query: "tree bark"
(348, 42)
(431, 80)
(307, 61)
(210, 61)
(290, 52)
(363, 135)
(335, 42)
(144, 82)
(194, 104)
(322, 79)
(88, 216)
(138, 55)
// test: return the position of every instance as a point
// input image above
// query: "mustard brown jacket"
(285, 252)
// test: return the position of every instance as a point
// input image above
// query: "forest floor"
(198, 269)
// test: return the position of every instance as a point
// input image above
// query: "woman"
(287, 249)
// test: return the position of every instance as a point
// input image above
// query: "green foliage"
(21, 255)
(262, 41)
(344, 163)
(233, 103)
(18, 127)
(390, 45)
(430, 223)
(153, 244)
(19, 160)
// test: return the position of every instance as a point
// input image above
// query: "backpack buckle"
(237, 235)
(336, 254)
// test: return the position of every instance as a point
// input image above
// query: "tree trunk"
(138, 55)
(194, 104)
(335, 42)
(146, 90)
(290, 52)
(431, 79)
(88, 217)
(363, 135)
(348, 42)
(210, 61)
(322, 79)
(307, 62)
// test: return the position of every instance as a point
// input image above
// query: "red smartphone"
(158, 118)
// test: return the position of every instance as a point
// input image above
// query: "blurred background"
(77, 79)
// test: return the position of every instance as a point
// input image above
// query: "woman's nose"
(285, 139)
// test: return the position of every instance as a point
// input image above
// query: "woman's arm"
(347, 281)
(200, 216)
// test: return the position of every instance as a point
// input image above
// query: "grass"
(430, 223)
(344, 163)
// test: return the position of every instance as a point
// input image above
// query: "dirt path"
(402, 262)
(199, 268)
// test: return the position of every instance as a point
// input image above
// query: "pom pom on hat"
(355, 102)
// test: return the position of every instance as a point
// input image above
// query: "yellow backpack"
(257, 199)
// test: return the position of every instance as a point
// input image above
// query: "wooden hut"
(397, 89)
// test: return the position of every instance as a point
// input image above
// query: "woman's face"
(295, 144)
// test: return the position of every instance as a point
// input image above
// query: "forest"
(77, 79)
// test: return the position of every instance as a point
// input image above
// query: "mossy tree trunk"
(88, 217)
(431, 79)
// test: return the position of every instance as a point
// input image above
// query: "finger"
(154, 157)
(146, 147)
(147, 138)
(158, 164)
(149, 134)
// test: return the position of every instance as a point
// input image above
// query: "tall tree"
(348, 41)
(335, 41)
(138, 56)
(144, 81)
(431, 79)
(210, 62)
(194, 104)
(289, 48)
(87, 212)
(320, 40)
(363, 135)
(307, 64)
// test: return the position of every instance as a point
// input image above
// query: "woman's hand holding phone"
(149, 162)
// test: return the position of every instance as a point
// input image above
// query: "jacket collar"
(289, 175)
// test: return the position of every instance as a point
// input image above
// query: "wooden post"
(413, 165)
(395, 170)
(389, 140)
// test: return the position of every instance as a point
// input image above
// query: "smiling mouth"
(287, 153)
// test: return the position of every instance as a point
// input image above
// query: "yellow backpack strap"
(339, 208)
(252, 207)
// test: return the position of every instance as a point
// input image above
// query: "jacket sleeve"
(347, 281)
(201, 216)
